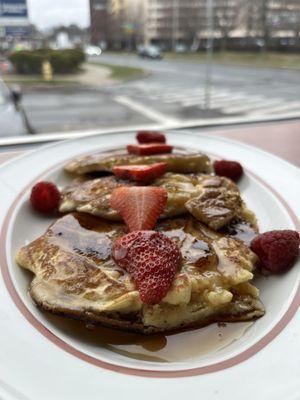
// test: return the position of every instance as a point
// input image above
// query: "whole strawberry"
(151, 259)
(45, 197)
(277, 250)
(229, 169)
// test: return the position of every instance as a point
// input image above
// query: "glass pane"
(100, 64)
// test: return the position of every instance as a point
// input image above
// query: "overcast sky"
(48, 13)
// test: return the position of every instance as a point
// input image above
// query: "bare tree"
(226, 18)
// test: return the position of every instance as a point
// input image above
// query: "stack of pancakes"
(76, 276)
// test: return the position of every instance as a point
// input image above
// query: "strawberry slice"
(150, 137)
(140, 173)
(151, 259)
(139, 206)
(148, 149)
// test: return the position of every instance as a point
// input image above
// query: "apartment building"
(171, 22)
(174, 21)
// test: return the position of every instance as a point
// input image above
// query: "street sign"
(17, 31)
(13, 9)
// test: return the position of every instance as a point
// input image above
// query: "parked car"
(181, 48)
(13, 119)
(93, 51)
(152, 52)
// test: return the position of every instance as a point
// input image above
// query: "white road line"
(260, 105)
(239, 104)
(185, 99)
(144, 110)
(284, 106)
(228, 100)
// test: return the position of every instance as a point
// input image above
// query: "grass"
(119, 72)
(263, 59)
(36, 80)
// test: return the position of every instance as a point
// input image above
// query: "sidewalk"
(94, 75)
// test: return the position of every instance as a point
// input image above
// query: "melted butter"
(177, 347)
(239, 229)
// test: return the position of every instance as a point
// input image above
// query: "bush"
(62, 61)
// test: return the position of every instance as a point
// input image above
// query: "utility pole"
(175, 23)
(209, 53)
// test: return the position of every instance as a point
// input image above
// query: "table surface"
(281, 139)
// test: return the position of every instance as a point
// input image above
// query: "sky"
(48, 13)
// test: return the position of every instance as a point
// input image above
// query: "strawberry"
(139, 206)
(277, 250)
(150, 137)
(229, 169)
(151, 259)
(140, 173)
(148, 149)
(45, 197)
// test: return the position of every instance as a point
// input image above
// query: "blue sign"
(17, 31)
(13, 8)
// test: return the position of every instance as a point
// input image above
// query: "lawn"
(262, 59)
(36, 80)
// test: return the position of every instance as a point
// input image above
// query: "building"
(99, 22)
(127, 23)
(168, 23)
(171, 22)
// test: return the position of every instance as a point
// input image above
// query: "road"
(173, 93)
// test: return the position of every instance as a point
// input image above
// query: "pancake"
(176, 162)
(213, 200)
(75, 276)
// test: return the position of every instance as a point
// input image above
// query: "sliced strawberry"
(148, 149)
(140, 173)
(151, 259)
(139, 206)
(150, 137)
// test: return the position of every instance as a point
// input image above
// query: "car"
(151, 52)
(181, 48)
(93, 51)
(13, 119)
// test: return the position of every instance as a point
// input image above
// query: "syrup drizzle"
(175, 347)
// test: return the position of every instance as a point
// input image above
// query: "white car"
(93, 51)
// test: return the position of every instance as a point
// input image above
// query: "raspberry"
(277, 250)
(45, 197)
(230, 169)
(151, 259)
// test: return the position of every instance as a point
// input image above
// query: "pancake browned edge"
(104, 162)
(75, 276)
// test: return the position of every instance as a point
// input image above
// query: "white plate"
(44, 358)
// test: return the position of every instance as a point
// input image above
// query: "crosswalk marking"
(291, 106)
(226, 100)
(252, 104)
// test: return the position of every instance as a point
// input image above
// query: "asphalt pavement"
(172, 93)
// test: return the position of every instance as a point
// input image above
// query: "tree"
(226, 18)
